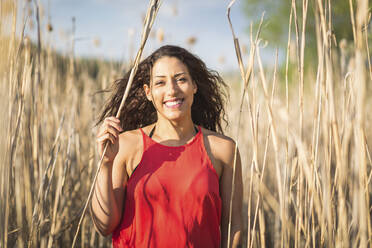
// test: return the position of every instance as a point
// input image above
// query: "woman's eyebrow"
(179, 74)
(176, 75)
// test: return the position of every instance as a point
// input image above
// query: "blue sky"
(111, 21)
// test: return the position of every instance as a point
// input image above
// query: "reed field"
(304, 134)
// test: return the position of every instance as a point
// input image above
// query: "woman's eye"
(159, 83)
(181, 79)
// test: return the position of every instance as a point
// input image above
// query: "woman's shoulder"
(130, 136)
(218, 138)
(221, 146)
(130, 142)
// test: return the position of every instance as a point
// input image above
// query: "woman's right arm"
(108, 195)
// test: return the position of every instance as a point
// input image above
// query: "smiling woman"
(172, 90)
(167, 174)
(208, 105)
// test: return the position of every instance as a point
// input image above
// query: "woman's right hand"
(109, 132)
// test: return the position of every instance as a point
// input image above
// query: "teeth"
(173, 103)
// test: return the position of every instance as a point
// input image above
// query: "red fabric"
(172, 199)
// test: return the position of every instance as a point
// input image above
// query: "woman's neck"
(176, 131)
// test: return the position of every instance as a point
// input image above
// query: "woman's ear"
(147, 90)
(195, 87)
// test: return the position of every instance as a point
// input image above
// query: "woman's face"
(172, 89)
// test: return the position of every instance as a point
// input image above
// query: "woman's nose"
(172, 86)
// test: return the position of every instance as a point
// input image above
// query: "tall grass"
(49, 107)
(319, 194)
(304, 137)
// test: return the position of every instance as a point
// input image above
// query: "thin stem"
(149, 20)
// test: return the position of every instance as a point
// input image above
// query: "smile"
(174, 103)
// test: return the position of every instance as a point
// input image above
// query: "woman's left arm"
(227, 158)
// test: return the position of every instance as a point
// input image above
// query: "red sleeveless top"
(172, 198)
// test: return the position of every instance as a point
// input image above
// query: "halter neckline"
(153, 130)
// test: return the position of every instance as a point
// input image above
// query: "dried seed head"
(143, 17)
(160, 35)
(49, 27)
(174, 10)
(221, 60)
(191, 40)
(244, 49)
(96, 42)
(152, 34)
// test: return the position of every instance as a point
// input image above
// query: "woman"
(166, 176)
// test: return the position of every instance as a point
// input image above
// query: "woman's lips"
(174, 103)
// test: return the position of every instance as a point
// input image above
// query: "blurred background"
(111, 29)
(299, 110)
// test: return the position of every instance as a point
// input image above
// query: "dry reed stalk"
(321, 115)
(275, 142)
(303, 160)
(254, 163)
(18, 203)
(149, 20)
(55, 208)
(298, 195)
(369, 159)
(253, 107)
(365, 28)
(272, 202)
(20, 191)
(286, 75)
(36, 104)
(13, 148)
(254, 130)
(38, 207)
(246, 77)
(258, 210)
(360, 86)
(27, 154)
(317, 112)
(333, 127)
(301, 195)
(15, 98)
(329, 82)
(3, 128)
(241, 67)
(352, 17)
(287, 106)
(342, 232)
(261, 219)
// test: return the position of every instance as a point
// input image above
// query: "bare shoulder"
(221, 146)
(130, 139)
(130, 143)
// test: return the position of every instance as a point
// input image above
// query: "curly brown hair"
(207, 109)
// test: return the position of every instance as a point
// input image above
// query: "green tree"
(275, 29)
